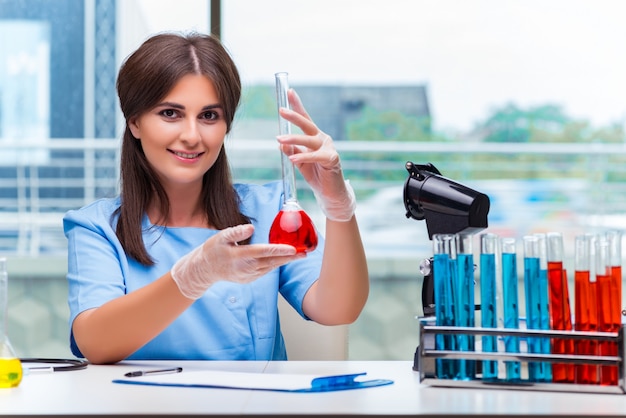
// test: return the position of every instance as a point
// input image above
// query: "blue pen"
(139, 373)
(510, 301)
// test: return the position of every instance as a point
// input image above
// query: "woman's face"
(182, 135)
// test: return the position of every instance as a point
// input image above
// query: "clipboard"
(297, 383)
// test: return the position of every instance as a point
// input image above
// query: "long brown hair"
(144, 79)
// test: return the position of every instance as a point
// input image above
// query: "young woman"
(178, 266)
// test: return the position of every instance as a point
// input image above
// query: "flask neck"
(4, 298)
(6, 349)
(4, 304)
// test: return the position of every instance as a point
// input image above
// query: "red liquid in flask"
(294, 227)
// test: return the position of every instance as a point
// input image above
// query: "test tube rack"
(428, 354)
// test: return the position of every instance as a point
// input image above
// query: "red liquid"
(594, 349)
(586, 320)
(616, 315)
(294, 227)
(608, 374)
(561, 319)
(616, 293)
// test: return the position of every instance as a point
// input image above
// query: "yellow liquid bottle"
(10, 364)
(10, 372)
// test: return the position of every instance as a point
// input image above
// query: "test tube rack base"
(428, 355)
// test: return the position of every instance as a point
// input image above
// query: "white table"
(91, 392)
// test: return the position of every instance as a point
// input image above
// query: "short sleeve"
(95, 270)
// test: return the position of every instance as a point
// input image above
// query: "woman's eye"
(212, 115)
(168, 113)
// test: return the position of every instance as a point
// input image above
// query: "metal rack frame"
(428, 354)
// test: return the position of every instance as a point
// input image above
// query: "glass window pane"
(520, 100)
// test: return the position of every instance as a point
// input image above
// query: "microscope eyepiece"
(447, 206)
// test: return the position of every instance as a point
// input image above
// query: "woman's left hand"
(313, 153)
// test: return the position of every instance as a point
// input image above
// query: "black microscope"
(448, 208)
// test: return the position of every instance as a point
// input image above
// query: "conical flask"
(10, 364)
(292, 225)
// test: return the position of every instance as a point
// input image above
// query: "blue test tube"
(488, 313)
(464, 302)
(544, 303)
(443, 255)
(510, 301)
(533, 302)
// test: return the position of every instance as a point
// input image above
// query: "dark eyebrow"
(179, 106)
(213, 106)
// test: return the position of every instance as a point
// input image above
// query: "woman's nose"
(190, 132)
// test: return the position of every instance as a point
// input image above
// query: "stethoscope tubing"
(56, 364)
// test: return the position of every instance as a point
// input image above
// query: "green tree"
(541, 124)
(514, 124)
(259, 102)
(374, 125)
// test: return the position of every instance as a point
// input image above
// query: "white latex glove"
(314, 154)
(220, 258)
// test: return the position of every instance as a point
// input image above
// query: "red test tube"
(608, 374)
(585, 307)
(560, 313)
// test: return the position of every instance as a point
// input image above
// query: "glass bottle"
(291, 225)
(10, 364)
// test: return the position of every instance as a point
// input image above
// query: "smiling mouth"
(187, 155)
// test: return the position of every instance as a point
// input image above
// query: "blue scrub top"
(230, 321)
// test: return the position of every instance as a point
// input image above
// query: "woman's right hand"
(221, 258)
(313, 152)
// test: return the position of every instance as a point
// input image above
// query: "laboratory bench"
(91, 391)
